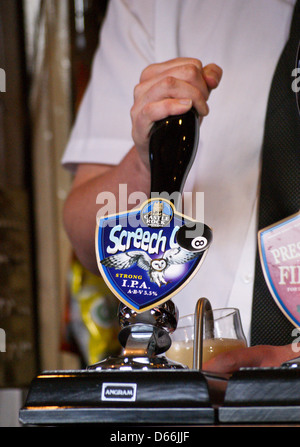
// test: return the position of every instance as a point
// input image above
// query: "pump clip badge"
(147, 255)
(279, 247)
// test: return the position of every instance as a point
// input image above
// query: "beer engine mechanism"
(145, 335)
(142, 386)
(127, 388)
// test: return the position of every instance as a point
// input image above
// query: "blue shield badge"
(147, 255)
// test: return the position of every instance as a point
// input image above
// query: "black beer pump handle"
(172, 150)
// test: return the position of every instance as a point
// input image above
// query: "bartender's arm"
(165, 89)
(168, 88)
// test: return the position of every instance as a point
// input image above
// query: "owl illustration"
(156, 268)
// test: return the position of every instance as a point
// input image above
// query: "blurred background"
(54, 314)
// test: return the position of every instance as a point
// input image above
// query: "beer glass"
(225, 334)
(181, 350)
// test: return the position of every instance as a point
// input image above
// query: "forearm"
(86, 198)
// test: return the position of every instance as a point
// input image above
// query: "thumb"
(212, 74)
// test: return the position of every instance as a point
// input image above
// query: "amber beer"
(225, 335)
(182, 351)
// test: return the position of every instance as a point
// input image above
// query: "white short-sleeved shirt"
(245, 38)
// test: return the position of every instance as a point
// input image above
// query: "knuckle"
(147, 72)
(198, 96)
(146, 109)
(201, 96)
(135, 115)
(132, 112)
(136, 91)
(201, 104)
(205, 109)
(169, 82)
(192, 71)
(197, 63)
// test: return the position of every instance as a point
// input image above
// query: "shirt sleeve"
(102, 129)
